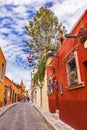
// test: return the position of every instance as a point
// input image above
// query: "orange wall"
(9, 83)
(2, 60)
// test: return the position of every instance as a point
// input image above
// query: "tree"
(43, 31)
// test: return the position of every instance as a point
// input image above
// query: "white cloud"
(20, 9)
(2, 41)
(17, 2)
(69, 11)
(17, 74)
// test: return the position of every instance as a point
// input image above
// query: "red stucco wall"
(53, 102)
(73, 103)
(52, 98)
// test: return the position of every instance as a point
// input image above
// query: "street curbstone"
(5, 108)
(54, 124)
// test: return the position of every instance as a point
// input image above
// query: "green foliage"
(82, 34)
(53, 69)
(43, 30)
(35, 79)
(39, 75)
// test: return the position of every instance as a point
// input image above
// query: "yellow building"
(2, 76)
(44, 90)
(40, 96)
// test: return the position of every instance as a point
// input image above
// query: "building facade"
(11, 92)
(70, 65)
(2, 76)
(52, 87)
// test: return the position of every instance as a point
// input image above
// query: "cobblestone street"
(22, 117)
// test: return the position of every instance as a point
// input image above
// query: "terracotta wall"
(73, 103)
(11, 89)
(53, 99)
(53, 102)
(2, 60)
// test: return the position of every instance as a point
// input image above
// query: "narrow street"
(22, 117)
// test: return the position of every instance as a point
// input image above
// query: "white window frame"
(73, 55)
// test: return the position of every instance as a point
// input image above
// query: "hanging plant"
(39, 75)
(82, 34)
(35, 79)
(53, 69)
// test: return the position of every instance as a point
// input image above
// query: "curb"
(54, 124)
(4, 109)
(48, 123)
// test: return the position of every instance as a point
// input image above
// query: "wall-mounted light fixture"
(70, 36)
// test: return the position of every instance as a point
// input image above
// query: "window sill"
(49, 92)
(75, 86)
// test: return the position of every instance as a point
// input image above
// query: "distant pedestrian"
(28, 99)
(24, 99)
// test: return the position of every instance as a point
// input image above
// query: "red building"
(52, 87)
(70, 75)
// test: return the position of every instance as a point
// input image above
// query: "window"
(10, 93)
(85, 68)
(50, 86)
(73, 71)
(2, 71)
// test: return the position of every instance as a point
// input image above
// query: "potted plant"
(82, 34)
(53, 69)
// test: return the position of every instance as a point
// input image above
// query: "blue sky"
(14, 15)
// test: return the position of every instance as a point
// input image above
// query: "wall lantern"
(70, 36)
(49, 53)
(30, 59)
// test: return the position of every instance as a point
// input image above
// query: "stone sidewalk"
(53, 120)
(5, 108)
